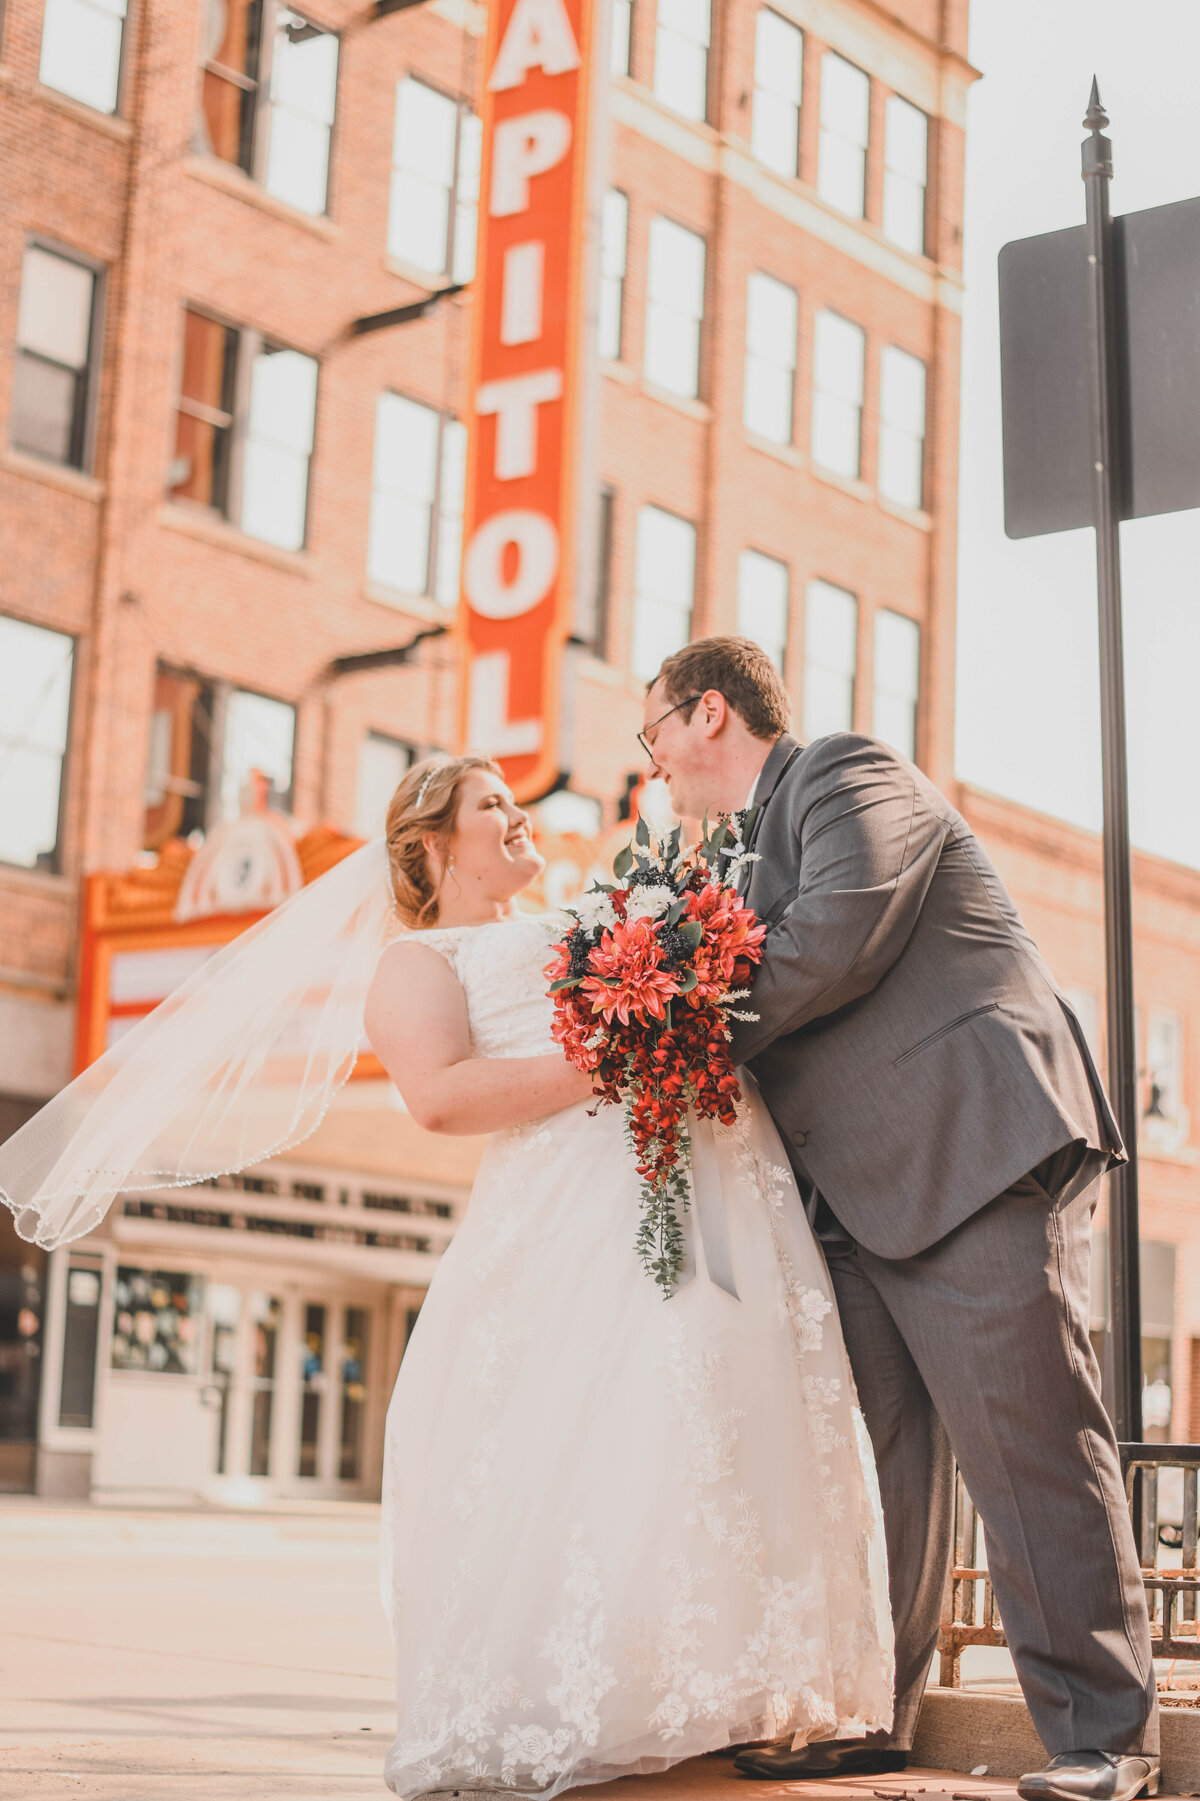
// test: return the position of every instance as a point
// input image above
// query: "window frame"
(821, 583)
(123, 74)
(887, 170)
(659, 30)
(433, 545)
(250, 344)
(259, 86)
(887, 426)
(372, 734)
(823, 129)
(877, 690)
(652, 506)
(88, 430)
(750, 353)
(463, 109)
(748, 557)
(791, 25)
(627, 72)
(55, 865)
(701, 317)
(819, 390)
(604, 276)
(212, 696)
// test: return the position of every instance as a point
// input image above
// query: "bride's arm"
(416, 1020)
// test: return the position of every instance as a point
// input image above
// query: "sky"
(1028, 674)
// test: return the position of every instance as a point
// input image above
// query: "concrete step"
(959, 1729)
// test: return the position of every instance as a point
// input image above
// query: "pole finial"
(1095, 117)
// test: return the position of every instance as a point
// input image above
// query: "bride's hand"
(416, 1021)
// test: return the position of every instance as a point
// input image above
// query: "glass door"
(356, 1323)
(266, 1312)
(312, 1389)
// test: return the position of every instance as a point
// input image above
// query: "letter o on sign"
(537, 564)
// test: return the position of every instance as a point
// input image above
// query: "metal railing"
(1161, 1487)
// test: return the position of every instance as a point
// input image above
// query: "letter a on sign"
(519, 529)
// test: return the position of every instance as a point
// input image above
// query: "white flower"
(595, 909)
(650, 902)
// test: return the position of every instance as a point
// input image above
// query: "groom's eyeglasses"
(646, 743)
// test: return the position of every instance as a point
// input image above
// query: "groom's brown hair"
(737, 668)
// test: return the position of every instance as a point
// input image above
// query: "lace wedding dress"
(620, 1530)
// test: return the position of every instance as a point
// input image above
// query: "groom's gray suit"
(943, 1113)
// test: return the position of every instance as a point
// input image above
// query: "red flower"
(630, 956)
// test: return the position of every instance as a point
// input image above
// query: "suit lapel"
(782, 755)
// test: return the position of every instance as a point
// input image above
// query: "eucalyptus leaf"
(623, 862)
(688, 981)
(693, 931)
(564, 983)
(642, 834)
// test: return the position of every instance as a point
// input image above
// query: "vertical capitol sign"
(519, 556)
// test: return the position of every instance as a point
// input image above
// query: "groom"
(938, 1101)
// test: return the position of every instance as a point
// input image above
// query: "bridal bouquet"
(644, 984)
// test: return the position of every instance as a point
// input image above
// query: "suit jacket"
(911, 1044)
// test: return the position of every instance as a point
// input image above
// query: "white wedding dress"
(620, 1530)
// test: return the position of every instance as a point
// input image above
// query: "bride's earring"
(450, 867)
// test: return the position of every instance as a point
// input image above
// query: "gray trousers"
(978, 1349)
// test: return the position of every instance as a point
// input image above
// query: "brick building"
(213, 486)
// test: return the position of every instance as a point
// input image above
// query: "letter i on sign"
(520, 519)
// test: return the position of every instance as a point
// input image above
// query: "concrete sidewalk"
(148, 1655)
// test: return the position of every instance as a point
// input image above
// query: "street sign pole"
(1124, 1280)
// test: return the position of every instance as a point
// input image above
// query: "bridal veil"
(238, 1064)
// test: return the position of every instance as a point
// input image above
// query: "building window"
(269, 97)
(897, 677)
(762, 603)
(207, 740)
(239, 391)
(845, 126)
(614, 238)
(417, 495)
(1164, 1117)
(81, 1334)
(435, 182)
(622, 36)
(258, 737)
(778, 79)
(681, 56)
(35, 709)
(55, 354)
(159, 1315)
(592, 614)
(664, 578)
(81, 50)
(830, 659)
(382, 764)
(901, 427)
(839, 353)
(771, 313)
(905, 173)
(674, 308)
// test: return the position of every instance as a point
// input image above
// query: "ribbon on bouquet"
(706, 1215)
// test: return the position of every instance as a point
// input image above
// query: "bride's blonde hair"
(425, 805)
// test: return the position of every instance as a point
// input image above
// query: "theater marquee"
(524, 419)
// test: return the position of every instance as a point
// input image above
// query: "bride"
(617, 1531)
